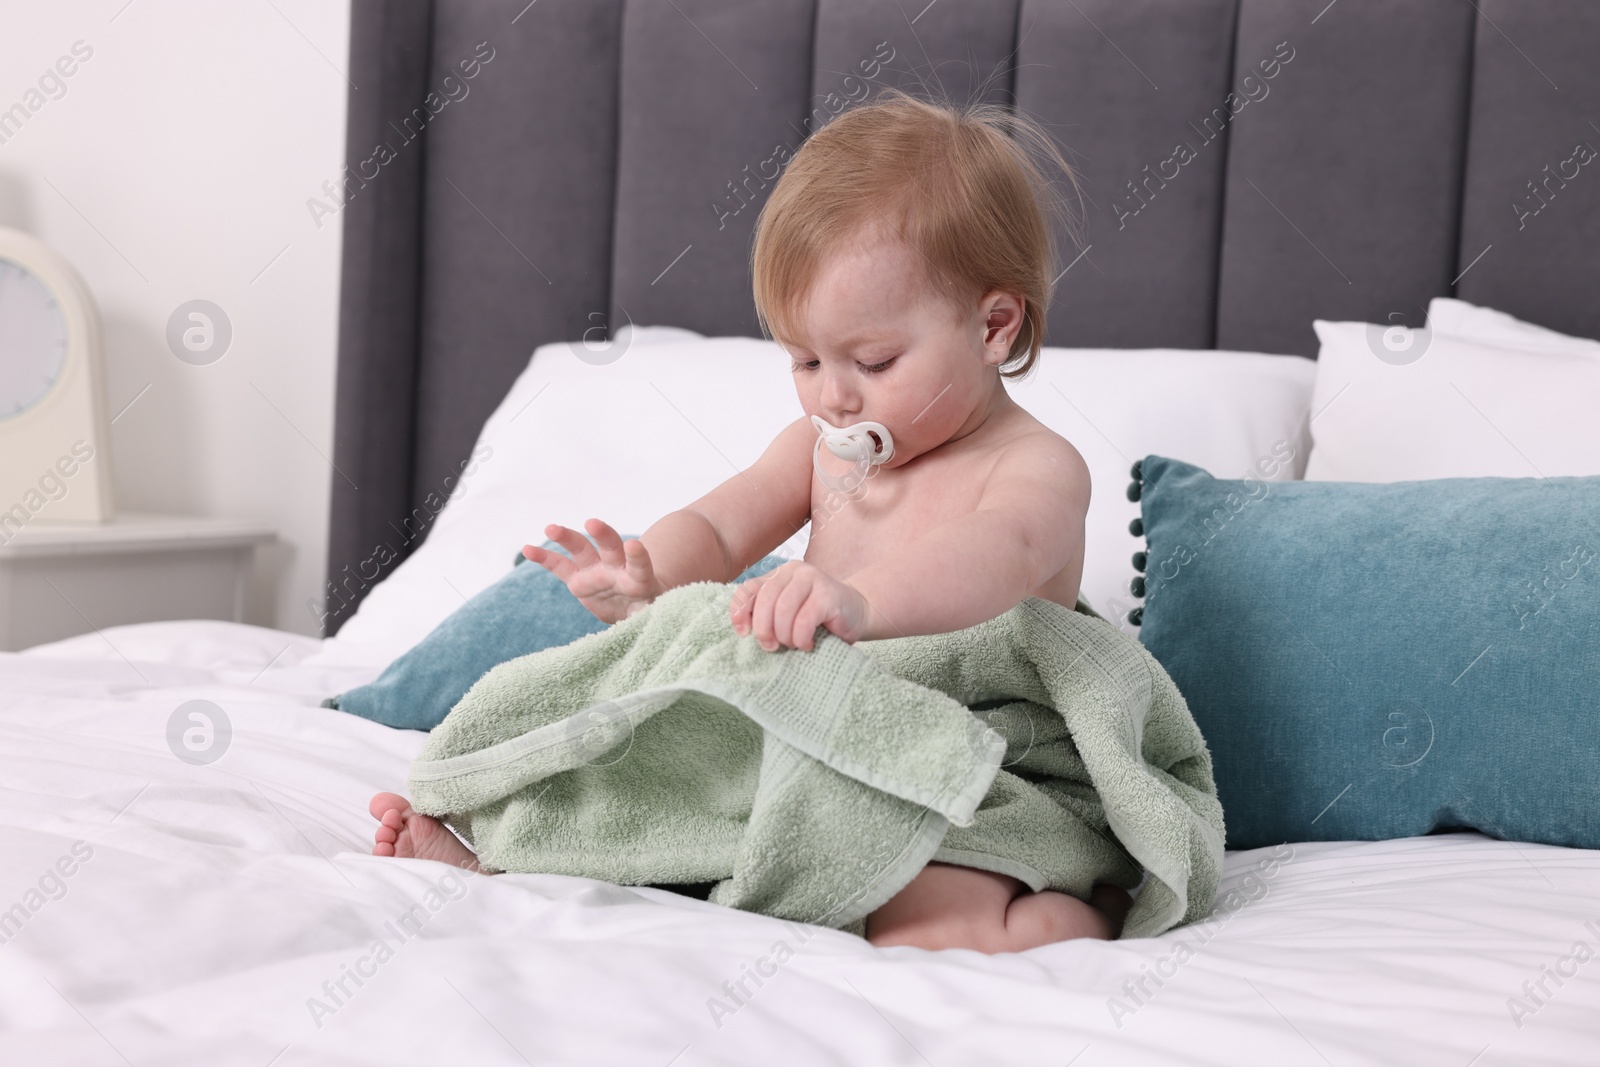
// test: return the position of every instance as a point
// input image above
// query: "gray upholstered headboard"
(521, 171)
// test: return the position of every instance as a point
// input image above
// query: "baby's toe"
(386, 834)
(392, 820)
(385, 802)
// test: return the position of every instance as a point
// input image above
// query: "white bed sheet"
(218, 899)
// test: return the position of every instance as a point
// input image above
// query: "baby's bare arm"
(719, 535)
(1028, 525)
(684, 547)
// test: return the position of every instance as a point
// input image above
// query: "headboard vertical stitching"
(616, 184)
(1222, 180)
(1466, 149)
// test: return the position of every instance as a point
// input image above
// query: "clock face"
(33, 340)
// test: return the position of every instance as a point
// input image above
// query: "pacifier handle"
(850, 481)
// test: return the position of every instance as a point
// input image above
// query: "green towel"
(813, 785)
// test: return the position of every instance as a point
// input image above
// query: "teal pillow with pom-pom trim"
(1382, 660)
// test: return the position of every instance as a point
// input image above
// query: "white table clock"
(55, 438)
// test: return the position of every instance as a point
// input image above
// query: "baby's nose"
(839, 399)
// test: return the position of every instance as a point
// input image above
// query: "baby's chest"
(852, 530)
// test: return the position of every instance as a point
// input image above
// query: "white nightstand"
(62, 579)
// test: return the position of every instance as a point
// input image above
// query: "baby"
(903, 262)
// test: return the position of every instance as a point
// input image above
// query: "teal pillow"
(1371, 661)
(526, 611)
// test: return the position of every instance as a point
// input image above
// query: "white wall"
(176, 166)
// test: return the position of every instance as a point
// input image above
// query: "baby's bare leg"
(946, 906)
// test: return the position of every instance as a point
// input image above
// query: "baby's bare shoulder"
(1038, 459)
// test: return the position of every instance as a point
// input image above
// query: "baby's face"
(878, 344)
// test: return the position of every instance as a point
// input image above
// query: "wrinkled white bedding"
(212, 912)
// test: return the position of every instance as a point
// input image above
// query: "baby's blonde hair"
(955, 183)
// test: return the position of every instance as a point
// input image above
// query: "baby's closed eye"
(866, 368)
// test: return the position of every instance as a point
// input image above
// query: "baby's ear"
(1002, 322)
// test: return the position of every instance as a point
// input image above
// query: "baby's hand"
(786, 606)
(613, 583)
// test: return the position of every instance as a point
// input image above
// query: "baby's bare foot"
(405, 833)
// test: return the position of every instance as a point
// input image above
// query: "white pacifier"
(863, 445)
(855, 442)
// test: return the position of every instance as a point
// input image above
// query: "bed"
(188, 877)
(217, 900)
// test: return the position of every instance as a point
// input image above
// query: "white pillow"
(1476, 393)
(1489, 327)
(672, 414)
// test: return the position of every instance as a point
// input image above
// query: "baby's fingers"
(583, 553)
(640, 569)
(609, 540)
(739, 608)
(554, 562)
(786, 609)
(761, 610)
(806, 621)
